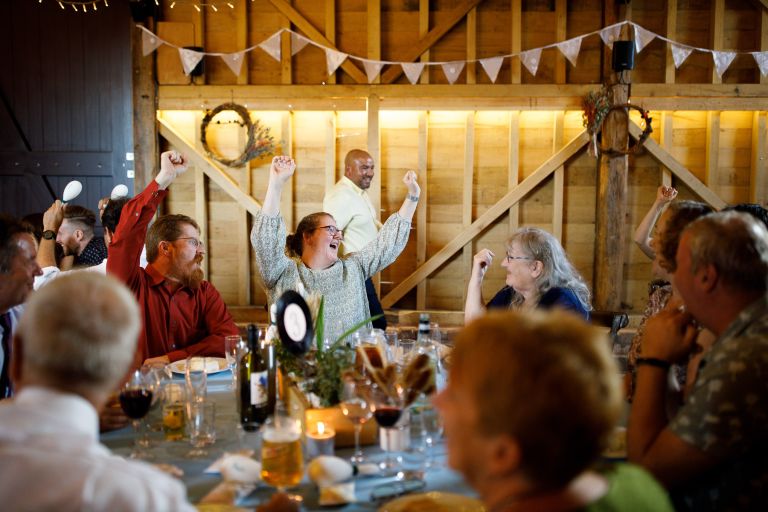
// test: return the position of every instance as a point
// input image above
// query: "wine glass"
(357, 409)
(156, 374)
(196, 379)
(431, 430)
(388, 408)
(231, 344)
(135, 399)
(282, 459)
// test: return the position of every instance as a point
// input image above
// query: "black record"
(294, 323)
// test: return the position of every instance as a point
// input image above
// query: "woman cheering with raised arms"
(310, 256)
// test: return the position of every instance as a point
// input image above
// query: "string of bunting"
(570, 48)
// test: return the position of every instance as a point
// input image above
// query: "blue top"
(562, 298)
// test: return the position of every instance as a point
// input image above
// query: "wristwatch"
(49, 234)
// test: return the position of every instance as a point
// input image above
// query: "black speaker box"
(623, 55)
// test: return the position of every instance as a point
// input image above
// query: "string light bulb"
(173, 4)
(197, 7)
(213, 6)
(230, 5)
(61, 5)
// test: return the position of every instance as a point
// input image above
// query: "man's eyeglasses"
(332, 230)
(509, 258)
(194, 242)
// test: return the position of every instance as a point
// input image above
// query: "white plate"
(434, 502)
(212, 365)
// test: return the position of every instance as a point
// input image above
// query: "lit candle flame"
(320, 427)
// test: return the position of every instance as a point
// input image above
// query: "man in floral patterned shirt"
(712, 454)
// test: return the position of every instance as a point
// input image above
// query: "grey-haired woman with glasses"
(310, 256)
(539, 275)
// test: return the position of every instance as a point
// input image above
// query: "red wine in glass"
(136, 402)
(387, 416)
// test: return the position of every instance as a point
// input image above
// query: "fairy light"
(80, 5)
(213, 6)
(230, 5)
(95, 8)
(197, 7)
(75, 7)
(173, 4)
(61, 5)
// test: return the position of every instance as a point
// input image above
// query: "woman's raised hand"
(410, 181)
(282, 168)
(665, 194)
(482, 261)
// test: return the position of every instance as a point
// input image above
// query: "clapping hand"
(410, 181)
(172, 165)
(282, 168)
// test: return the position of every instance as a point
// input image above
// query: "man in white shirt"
(18, 269)
(355, 215)
(73, 345)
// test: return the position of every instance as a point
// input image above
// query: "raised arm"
(642, 236)
(128, 240)
(412, 198)
(280, 172)
(474, 306)
(52, 219)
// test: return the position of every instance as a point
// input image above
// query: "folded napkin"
(337, 494)
(237, 468)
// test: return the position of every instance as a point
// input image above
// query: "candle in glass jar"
(320, 440)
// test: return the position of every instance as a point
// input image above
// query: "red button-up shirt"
(178, 321)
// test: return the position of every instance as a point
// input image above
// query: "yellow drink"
(282, 460)
(173, 421)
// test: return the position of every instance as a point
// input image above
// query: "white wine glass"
(196, 379)
(231, 344)
(357, 409)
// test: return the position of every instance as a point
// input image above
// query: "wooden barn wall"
(65, 103)
(475, 143)
(489, 133)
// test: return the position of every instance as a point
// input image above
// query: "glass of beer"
(282, 458)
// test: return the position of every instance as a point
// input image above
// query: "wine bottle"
(254, 384)
(423, 341)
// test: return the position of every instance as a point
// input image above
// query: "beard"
(191, 277)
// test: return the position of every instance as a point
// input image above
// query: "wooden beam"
(666, 141)
(452, 18)
(665, 158)
(208, 166)
(712, 150)
(374, 149)
(763, 35)
(241, 36)
(559, 178)
(486, 219)
(513, 167)
(244, 239)
(144, 91)
(758, 182)
(471, 68)
(312, 33)
(669, 66)
(330, 151)
(374, 33)
(610, 223)
(286, 199)
(717, 27)
(516, 46)
(286, 57)
(746, 97)
(561, 19)
(201, 195)
(198, 20)
(421, 210)
(467, 191)
(330, 30)
(423, 31)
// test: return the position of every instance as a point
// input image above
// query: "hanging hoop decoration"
(259, 142)
(635, 146)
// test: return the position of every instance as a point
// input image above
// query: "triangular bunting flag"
(189, 59)
(272, 46)
(452, 70)
(492, 67)
(149, 42)
(333, 59)
(679, 54)
(722, 61)
(642, 38)
(297, 43)
(372, 69)
(610, 34)
(762, 61)
(531, 59)
(234, 61)
(570, 49)
(412, 70)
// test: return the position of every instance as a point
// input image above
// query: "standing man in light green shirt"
(355, 215)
